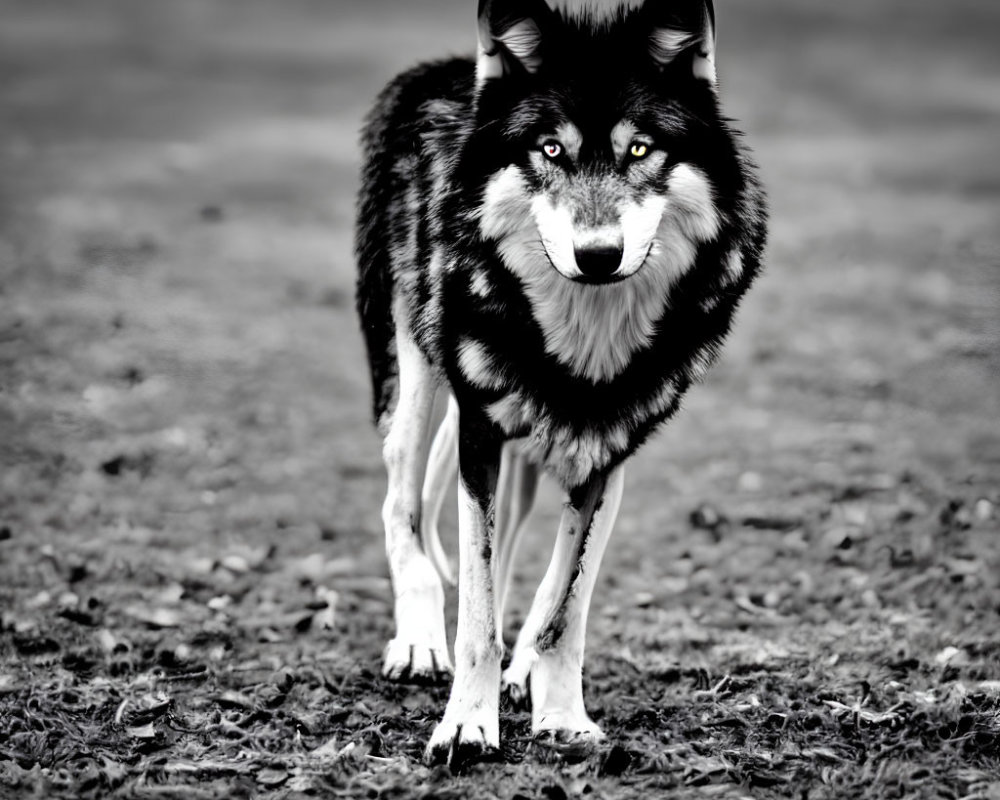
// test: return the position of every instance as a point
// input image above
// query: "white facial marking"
(555, 226)
(640, 222)
(622, 136)
(690, 194)
(595, 330)
(605, 236)
(690, 219)
(569, 136)
(505, 210)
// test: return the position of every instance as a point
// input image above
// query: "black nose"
(599, 262)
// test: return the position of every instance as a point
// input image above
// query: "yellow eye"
(639, 150)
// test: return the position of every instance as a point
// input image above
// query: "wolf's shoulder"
(431, 95)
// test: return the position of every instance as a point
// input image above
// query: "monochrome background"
(802, 595)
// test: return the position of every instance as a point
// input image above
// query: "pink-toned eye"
(552, 150)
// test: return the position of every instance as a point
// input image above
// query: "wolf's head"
(604, 148)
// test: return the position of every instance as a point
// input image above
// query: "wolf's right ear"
(510, 37)
(683, 28)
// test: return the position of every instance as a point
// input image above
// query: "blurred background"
(182, 381)
(176, 210)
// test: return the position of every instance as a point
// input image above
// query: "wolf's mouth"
(594, 280)
(603, 280)
(614, 277)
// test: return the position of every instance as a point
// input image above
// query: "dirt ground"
(803, 596)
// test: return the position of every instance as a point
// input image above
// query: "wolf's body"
(557, 233)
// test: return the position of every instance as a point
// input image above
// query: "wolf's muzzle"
(598, 264)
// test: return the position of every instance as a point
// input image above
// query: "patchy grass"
(244, 676)
(803, 595)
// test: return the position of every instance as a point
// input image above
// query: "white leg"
(551, 645)
(442, 467)
(470, 727)
(516, 489)
(514, 682)
(419, 650)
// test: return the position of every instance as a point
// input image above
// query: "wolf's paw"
(565, 727)
(514, 692)
(416, 663)
(571, 741)
(514, 680)
(459, 742)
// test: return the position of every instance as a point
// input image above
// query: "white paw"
(557, 710)
(515, 693)
(566, 726)
(514, 681)
(419, 651)
(456, 741)
(415, 663)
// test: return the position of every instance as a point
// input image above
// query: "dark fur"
(428, 117)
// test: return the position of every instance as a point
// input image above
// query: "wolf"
(556, 234)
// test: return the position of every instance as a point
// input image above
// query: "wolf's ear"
(683, 28)
(510, 36)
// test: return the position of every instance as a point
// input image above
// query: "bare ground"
(803, 595)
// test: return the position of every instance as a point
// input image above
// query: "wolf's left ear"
(683, 29)
(510, 36)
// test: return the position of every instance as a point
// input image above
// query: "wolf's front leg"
(470, 727)
(551, 645)
(419, 650)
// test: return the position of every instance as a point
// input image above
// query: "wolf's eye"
(552, 150)
(639, 150)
